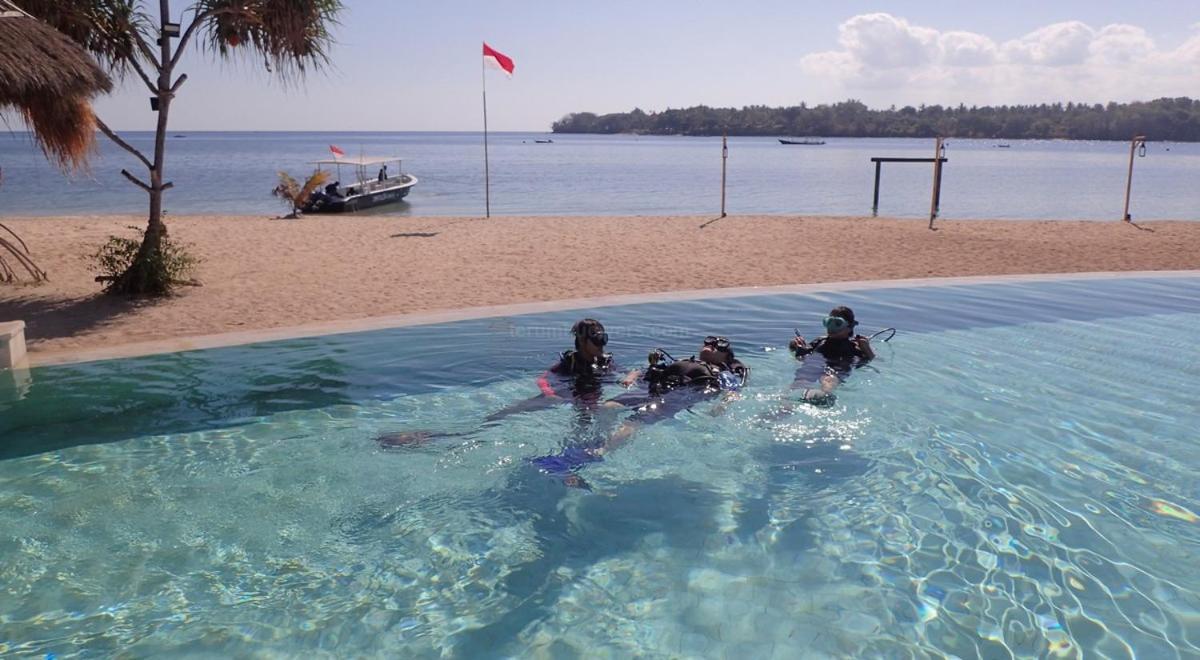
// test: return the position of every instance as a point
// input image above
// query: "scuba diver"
(828, 360)
(671, 387)
(578, 377)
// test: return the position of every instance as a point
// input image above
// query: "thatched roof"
(49, 79)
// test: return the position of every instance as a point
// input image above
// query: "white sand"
(259, 273)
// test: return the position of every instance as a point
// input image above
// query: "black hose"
(888, 338)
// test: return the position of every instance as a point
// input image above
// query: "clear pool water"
(1016, 475)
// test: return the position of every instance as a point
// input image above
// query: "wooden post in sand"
(724, 157)
(875, 201)
(1137, 141)
(936, 200)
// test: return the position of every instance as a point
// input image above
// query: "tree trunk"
(146, 275)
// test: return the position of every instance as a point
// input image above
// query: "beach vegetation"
(1176, 119)
(296, 194)
(173, 260)
(290, 38)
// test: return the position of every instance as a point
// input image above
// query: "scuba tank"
(665, 373)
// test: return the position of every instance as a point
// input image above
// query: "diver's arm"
(721, 406)
(864, 345)
(543, 383)
(619, 437)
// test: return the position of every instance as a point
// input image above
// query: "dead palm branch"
(296, 194)
(18, 252)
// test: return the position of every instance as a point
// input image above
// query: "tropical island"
(1174, 119)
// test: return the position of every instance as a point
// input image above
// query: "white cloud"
(1122, 44)
(1054, 45)
(886, 59)
(967, 49)
(882, 40)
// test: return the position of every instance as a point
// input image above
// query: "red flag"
(495, 58)
(337, 153)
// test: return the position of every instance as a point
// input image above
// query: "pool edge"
(237, 338)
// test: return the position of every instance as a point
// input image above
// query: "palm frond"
(288, 188)
(315, 181)
(292, 36)
(108, 29)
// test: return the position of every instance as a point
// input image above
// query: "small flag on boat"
(337, 153)
(496, 59)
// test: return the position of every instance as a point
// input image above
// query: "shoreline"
(264, 274)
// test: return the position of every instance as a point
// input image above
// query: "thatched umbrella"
(50, 80)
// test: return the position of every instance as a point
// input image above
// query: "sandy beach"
(262, 273)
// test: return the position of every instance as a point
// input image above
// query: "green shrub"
(173, 263)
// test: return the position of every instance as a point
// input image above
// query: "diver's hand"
(864, 345)
(797, 344)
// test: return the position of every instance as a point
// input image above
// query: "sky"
(416, 65)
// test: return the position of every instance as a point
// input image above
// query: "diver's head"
(840, 323)
(590, 337)
(716, 350)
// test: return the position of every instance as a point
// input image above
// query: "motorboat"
(366, 191)
(805, 141)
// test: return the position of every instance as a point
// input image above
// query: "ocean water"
(233, 173)
(1013, 476)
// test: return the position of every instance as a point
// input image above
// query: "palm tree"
(291, 37)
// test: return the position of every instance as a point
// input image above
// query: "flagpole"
(487, 184)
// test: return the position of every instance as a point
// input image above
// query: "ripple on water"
(950, 503)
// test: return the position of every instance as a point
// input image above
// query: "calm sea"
(233, 173)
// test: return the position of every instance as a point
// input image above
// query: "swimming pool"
(1015, 475)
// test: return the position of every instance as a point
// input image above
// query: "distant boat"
(179, 136)
(544, 141)
(805, 141)
(1003, 146)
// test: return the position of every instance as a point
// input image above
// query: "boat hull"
(361, 201)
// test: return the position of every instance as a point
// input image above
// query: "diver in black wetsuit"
(828, 360)
(578, 377)
(671, 387)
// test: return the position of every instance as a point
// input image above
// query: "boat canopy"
(364, 161)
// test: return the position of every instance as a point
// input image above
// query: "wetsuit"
(838, 357)
(577, 377)
(671, 388)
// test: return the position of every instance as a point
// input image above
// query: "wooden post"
(935, 200)
(724, 158)
(1138, 140)
(937, 191)
(875, 201)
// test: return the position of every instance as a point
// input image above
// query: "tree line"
(1176, 119)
